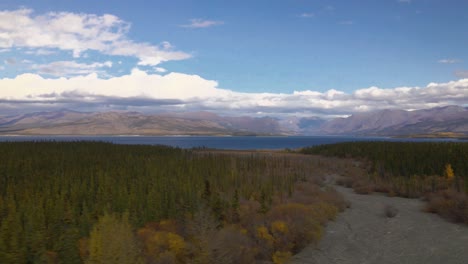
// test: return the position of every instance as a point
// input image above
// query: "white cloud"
(448, 61)
(40, 52)
(404, 1)
(156, 92)
(78, 33)
(202, 23)
(160, 70)
(137, 84)
(70, 68)
(307, 15)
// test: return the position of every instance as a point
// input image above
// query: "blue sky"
(291, 57)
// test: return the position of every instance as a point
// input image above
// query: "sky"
(260, 57)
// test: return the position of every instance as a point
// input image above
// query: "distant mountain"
(446, 121)
(453, 119)
(246, 124)
(66, 122)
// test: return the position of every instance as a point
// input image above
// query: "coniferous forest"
(402, 158)
(95, 202)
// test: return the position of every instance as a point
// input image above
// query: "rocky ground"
(364, 234)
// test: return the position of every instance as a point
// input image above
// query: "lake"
(235, 142)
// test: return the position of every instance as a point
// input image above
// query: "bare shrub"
(249, 216)
(362, 187)
(331, 196)
(345, 181)
(306, 193)
(231, 245)
(309, 193)
(390, 211)
(382, 187)
(449, 204)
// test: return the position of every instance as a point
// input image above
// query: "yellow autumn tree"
(449, 172)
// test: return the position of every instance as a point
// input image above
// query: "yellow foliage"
(303, 221)
(156, 243)
(262, 233)
(164, 246)
(176, 243)
(279, 226)
(449, 172)
(281, 257)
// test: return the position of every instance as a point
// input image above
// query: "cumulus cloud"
(78, 33)
(136, 84)
(171, 91)
(202, 23)
(70, 68)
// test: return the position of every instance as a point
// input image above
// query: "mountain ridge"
(387, 122)
(68, 122)
(400, 122)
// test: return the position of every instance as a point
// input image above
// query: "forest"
(435, 171)
(96, 202)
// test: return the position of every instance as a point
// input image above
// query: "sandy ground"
(363, 234)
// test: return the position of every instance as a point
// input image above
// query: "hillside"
(438, 120)
(67, 122)
(449, 121)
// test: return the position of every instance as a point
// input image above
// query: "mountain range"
(449, 120)
(67, 122)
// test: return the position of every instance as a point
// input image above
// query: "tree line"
(402, 158)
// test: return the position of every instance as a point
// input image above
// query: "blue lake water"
(238, 143)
